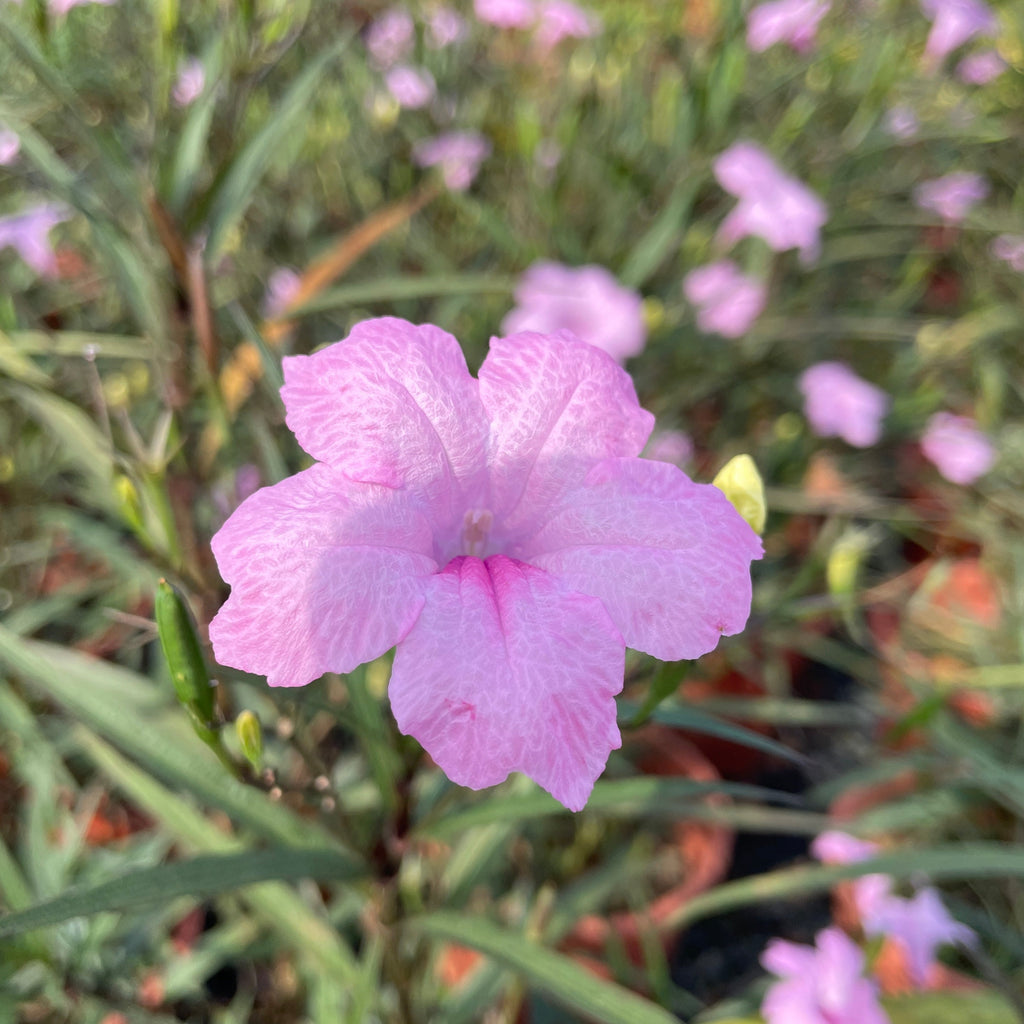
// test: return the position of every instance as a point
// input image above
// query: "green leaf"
(236, 189)
(951, 1007)
(394, 289)
(199, 878)
(545, 970)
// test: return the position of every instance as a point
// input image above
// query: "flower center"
(476, 527)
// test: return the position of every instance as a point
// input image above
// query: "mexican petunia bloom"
(190, 83)
(560, 19)
(772, 205)
(954, 22)
(838, 403)
(952, 196)
(410, 87)
(820, 985)
(391, 37)
(10, 146)
(506, 13)
(785, 21)
(29, 233)
(959, 449)
(588, 301)
(1011, 249)
(980, 68)
(727, 300)
(500, 530)
(458, 154)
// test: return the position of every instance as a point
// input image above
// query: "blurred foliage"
(885, 656)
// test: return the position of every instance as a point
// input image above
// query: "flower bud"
(183, 653)
(250, 737)
(741, 483)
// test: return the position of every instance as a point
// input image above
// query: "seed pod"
(741, 483)
(183, 653)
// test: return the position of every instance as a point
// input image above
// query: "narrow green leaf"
(394, 289)
(199, 877)
(661, 237)
(951, 1007)
(545, 970)
(236, 189)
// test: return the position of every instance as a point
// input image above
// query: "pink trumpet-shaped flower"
(785, 21)
(189, 84)
(958, 448)
(588, 301)
(410, 87)
(59, 8)
(506, 13)
(954, 22)
(772, 205)
(1011, 249)
(445, 26)
(951, 196)
(824, 984)
(500, 530)
(29, 233)
(838, 403)
(561, 19)
(980, 68)
(391, 37)
(727, 300)
(458, 154)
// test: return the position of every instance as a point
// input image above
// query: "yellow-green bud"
(183, 653)
(741, 483)
(250, 737)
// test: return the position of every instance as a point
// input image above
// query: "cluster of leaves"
(140, 393)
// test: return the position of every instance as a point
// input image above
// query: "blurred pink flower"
(919, 924)
(61, 7)
(670, 446)
(901, 122)
(445, 26)
(390, 37)
(980, 68)
(459, 155)
(772, 205)
(588, 301)
(560, 19)
(10, 147)
(838, 403)
(1011, 249)
(282, 289)
(785, 21)
(506, 13)
(28, 232)
(411, 88)
(727, 301)
(835, 847)
(500, 530)
(954, 22)
(951, 196)
(960, 451)
(191, 81)
(824, 984)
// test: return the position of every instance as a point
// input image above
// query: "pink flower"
(727, 301)
(459, 155)
(785, 21)
(670, 446)
(501, 531)
(952, 195)
(411, 88)
(28, 232)
(954, 22)
(390, 37)
(445, 27)
(506, 13)
(920, 925)
(10, 147)
(901, 122)
(59, 8)
(980, 68)
(1011, 249)
(560, 19)
(587, 301)
(838, 403)
(190, 83)
(282, 289)
(958, 448)
(772, 205)
(824, 984)
(834, 847)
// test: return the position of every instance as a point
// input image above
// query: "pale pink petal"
(557, 406)
(787, 958)
(392, 404)
(508, 670)
(325, 574)
(835, 847)
(669, 559)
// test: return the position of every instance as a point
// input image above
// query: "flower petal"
(668, 558)
(325, 574)
(557, 405)
(508, 670)
(392, 404)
